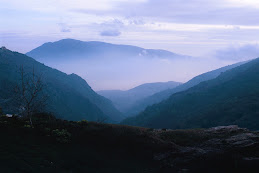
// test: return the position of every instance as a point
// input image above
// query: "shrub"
(47, 130)
(83, 122)
(150, 130)
(62, 136)
(43, 117)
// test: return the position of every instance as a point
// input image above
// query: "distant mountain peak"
(68, 48)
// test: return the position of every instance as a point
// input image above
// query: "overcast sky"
(192, 27)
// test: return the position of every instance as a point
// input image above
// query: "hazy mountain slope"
(70, 97)
(140, 105)
(106, 66)
(231, 98)
(123, 100)
(79, 84)
(74, 49)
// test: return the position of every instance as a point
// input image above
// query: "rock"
(243, 140)
(9, 115)
(251, 158)
(224, 145)
(229, 129)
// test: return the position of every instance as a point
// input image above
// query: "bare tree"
(29, 94)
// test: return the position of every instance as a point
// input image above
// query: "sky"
(221, 32)
(191, 27)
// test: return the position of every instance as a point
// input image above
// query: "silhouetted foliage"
(29, 94)
(55, 145)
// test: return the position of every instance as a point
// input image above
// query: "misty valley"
(155, 127)
(129, 86)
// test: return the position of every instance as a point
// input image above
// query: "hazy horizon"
(216, 32)
(195, 28)
(109, 71)
(98, 81)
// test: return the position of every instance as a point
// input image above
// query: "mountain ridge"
(160, 96)
(231, 98)
(65, 90)
(124, 99)
(69, 47)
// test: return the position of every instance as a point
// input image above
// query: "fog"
(126, 73)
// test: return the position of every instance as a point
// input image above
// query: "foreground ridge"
(69, 146)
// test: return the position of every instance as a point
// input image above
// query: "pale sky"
(191, 27)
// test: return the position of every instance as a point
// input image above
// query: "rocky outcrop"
(213, 150)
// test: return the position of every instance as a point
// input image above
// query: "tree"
(29, 94)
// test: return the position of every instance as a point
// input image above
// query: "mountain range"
(123, 100)
(70, 49)
(230, 98)
(107, 66)
(70, 97)
(143, 103)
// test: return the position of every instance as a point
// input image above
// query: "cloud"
(65, 30)
(137, 21)
(110, 33)
(192, 27)
(113, 23)
(228, 12)
(63, 27)
(238, 53)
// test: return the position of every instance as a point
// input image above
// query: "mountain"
(141, 104)
(106, 66)
(123, 100)
(231, 98)
(70, 97)
(70, 49)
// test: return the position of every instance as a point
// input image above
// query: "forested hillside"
(70, 97)
(143, 103)
(231, 98)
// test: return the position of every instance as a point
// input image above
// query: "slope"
(75, 49)
(70, 97)
(141, 104)
(123, 100)
(231, 98)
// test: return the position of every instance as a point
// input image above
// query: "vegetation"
(70, 97)
(29, 94)
(142, 104)
(231, 98)
(123, 100)
(63, 146)
(54, 145)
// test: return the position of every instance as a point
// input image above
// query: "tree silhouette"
(29, 94)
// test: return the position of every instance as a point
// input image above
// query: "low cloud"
(240, 53)
(63, 27)
(113, 23)
(65, 30)
(110, 33)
